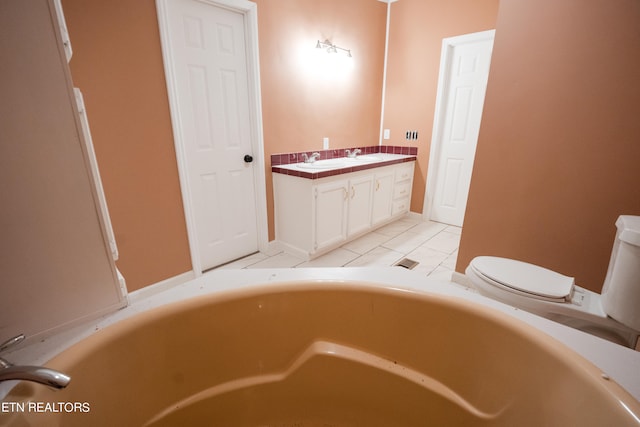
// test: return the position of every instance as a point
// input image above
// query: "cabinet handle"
(353, 191)
(377, 184)
(345, 193)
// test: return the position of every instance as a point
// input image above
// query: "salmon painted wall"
(415, 42)
(117, 63)
(557, 156)
(308, 94)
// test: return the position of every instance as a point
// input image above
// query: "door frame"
(250, 12)
(446, 62)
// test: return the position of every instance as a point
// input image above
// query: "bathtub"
(322, 353)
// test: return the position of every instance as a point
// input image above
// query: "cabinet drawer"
(402, 189)
(400, 206)
(404, 173)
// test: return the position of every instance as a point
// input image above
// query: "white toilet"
(613, 315)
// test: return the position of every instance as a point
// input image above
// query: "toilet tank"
(621, 290)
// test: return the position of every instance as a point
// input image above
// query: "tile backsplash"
(296, 157)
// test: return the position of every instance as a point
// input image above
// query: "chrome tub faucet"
(38, 374)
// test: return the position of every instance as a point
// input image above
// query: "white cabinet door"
(359, 209)
(330, 212)
(382, 196)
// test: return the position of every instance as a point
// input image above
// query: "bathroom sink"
(323, 164)
(365, 158)
(345, 162)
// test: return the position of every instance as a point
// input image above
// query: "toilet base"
(584, 312)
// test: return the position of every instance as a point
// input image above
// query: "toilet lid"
(524, 277)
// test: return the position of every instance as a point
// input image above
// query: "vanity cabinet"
(313, 216)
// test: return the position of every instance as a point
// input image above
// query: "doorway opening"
(462, 82)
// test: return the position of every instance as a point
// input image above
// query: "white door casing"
(211, 63)
(464, 70)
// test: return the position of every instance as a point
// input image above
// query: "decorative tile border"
(291, 158)
(279, 162)
(333, 172)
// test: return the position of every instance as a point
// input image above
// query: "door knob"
(248, 158)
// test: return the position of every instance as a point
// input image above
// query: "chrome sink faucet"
(310, 159)
(38, 374)
(353, 154)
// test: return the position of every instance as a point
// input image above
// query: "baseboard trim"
(461, 279)
(415, 216)
(274, 247)
(158, 287)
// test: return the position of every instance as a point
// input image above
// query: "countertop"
(341, 165)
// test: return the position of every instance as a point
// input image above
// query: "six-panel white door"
(464, 83)
(208, 49)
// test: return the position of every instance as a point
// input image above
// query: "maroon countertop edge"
(292, 158)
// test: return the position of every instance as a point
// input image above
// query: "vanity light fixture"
(332, 48)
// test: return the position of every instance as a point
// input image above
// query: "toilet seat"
(523, 278)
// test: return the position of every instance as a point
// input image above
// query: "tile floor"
(433, 245)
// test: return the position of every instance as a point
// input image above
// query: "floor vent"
(407, 263)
